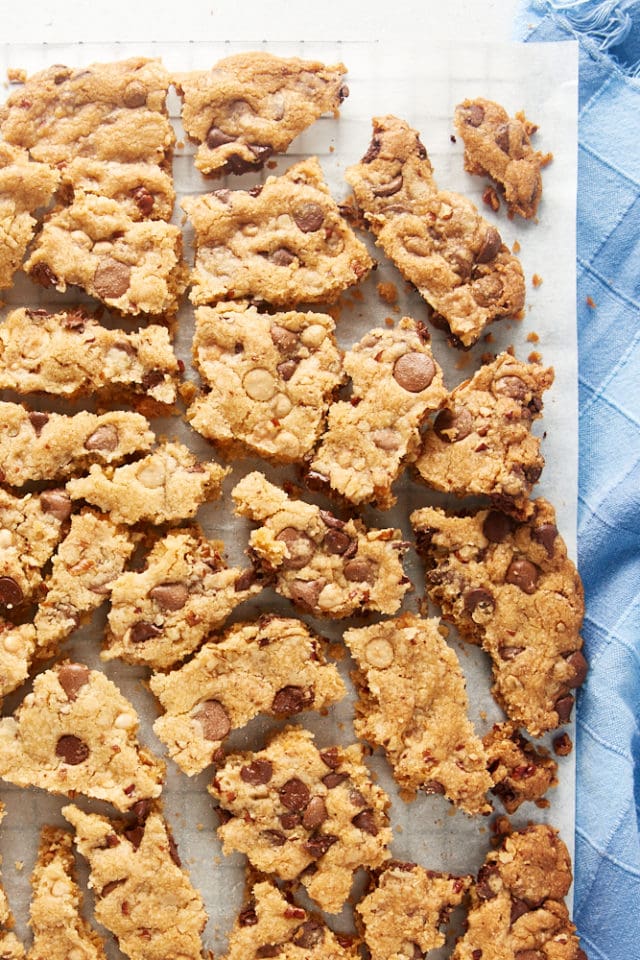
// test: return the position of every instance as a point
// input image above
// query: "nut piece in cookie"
(252, 105)
(297, 810)
(76, 733)
(519, 770)
(510, 587)
(499, 146)
(325, 566)
(413, 702)
(274, 666)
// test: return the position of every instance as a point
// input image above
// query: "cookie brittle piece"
(143, 190)
(143, 895)
(510, 587)
(76, 733)
(500, 146)
(284, 242)
(274, 666)
(271, 924)
(396, 383)
(437, 239)
(293, 806)
(88, 560)
(69, 354)
(413, 702)
(132, 266)
(407, 905)
(268, 379)
(167, 485)
(60, 931)
(519, 770)
(517, 907)
(161, 614)
(252, 105)
(107, 111)
(326, 566)
(481, 441)
(17, 648)
(47, 446)
(24, 186)
(10, 946)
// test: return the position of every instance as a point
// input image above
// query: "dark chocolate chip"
(57, 503)
(523, 574)
(474, 115)
(37, 419)
(478, 597)
(388, 189)
(11, 594)
(43, 274)
(217, 138)
(337, 542)
(213, 719)
(143, 200)
(453, 425)
(315, 813)
(489, 247)
(142, 630)
(330, 757)
(317, 846)
(134, 835)
(308, 934)
(261, 151)
(546, 534)
(257, 772)
(333, 780)
(305, 593)
(289, 821)
(373, 150)
(518, 909)
(309, 217)
(330, 521)
(579, 665)
(433, 788)
(563, 707)
(486, 888)
(366, 821)
(111, 279)
(170, 596)
(294, 795)
(290, 700)
(414, 371)
(72, 750)
(248, 917)
(269, 950)
(72, 677)
(497, 526)
(282, 257)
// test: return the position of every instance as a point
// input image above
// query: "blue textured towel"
(607, 891)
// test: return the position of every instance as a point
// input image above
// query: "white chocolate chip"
(313, 335)
(259, 384)
(151, 473)
(379, 653)
(124, 721)
(281, 405)
(6, 538)
(330, 597)
(11, 642)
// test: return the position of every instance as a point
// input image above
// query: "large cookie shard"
(510, 587)
(413, 702)
(284, 242)
(519, 770)
(437, 239)
(143, 895)
(294, 806)
(143, 190)
(10, 946)
(517, 901)
(252, 105)
(59, 929)
(76, 733)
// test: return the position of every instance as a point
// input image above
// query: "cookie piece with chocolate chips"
(161, 614)
(143, 894)
(10, 946)
(481, 440)
(326, 566)
(284, 242)
(252, 105)
(294, 806)
(437, 239)
(144, 190)
(413, 703)
(268, 379)
(510, 587)
(499, 146)
(396, 383)
(274, 666)
(76, 733)
(519, 770)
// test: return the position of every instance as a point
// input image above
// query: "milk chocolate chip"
(414, 371)
(524, 574)
(72, 677)
(57, 503)
(454, 425)
(104, 438)
(213, 719)
(291, 700)
(111, 279)
(170, 596)
(366, 821)
(294, 795)
(217, 138)
(37, 419)
(489, 247)
(299, 547)
(257, 772)
(309, 217)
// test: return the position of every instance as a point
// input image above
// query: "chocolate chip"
(330, 757)
(141, 810)
(562, 745)
(217, 138)
(315, 814)
(309, 217)
(104, 438)
(299, 546)
(337, 542)
(523, 574)
(246, 579)
(261, 151)
(135, 95)
(308, 934)
(134, 835)
(282, 257)
(579, 666)
(478, 597)
(546, 534)
(487, 291)
(152, 378)
(213, 719)
(388, 189)
(37, 419)
(43, 274)
(317, 846)
(417, 952)
(269, 950)
(359, 571)
(333, 780)
(291, 700)
(474, 115)
(110, 887)
(275, 838)
(372, 151)
(57, 503)
(294, 795)
(170, 596)
(414, 371)
(257, 772)
(111, 279)
(512, 387)
(305, 593)
(143, 200)
(510, 653)
(237, 164)
(497, 526)
(433, 788)
(330, 521)
(489, 247)
(356, 799)
(72, 677)
(501, 137)
(173, 850)
(286, 341)
(72, 749)
(143, 630)
(451, 426)
(248, 917)
(563, 707)
(287, 368)
(366, 821)
(10, 592)
(486, 887)
(518, 909)
(290, 820)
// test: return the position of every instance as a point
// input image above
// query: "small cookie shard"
(161, 614)
(10, 946)
(519, 770)
(24, 186)
(143, 190)
(89, 559)
(499, 146)
(252, 105)
(510, 587)
(274, 666)
(402, 915)
(143, 895)
(396, 383)
(413, 702)
(481, 441)
(284, 242)
(326, 566)
(69, 354)
(17, 648)
(59, 929)
(167, 485)
(268, 379)
(436, 238)
(517, 903)
(76, 733)
(294, 806)
(130, 265)
(106, 111)
(48, 446)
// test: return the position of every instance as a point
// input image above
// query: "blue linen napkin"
(607, 859)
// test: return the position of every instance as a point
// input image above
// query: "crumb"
(591, 303)
(486, 358)
(199, 826)
(516, 247)
(332, 149)
(217, 860)
(501, 826)
(534, 357)
(388, 292)
(337, 651)
(16, 75)
(180, 144)
(483, 715)
(542, 803)
(489, 338)
(533, 337)
(399, 828)
(491, 198)
(19, 865)
(452, 138)
(388, 321)
(536, 280)
(187, 391)
(562, 745)
(443, 630)
(271, 164)
(511, 350)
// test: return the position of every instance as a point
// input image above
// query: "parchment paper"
(421, 83)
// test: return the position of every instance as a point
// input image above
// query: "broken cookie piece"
(519, 770)
(143, 190)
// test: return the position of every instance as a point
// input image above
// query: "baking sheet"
(422, 84)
